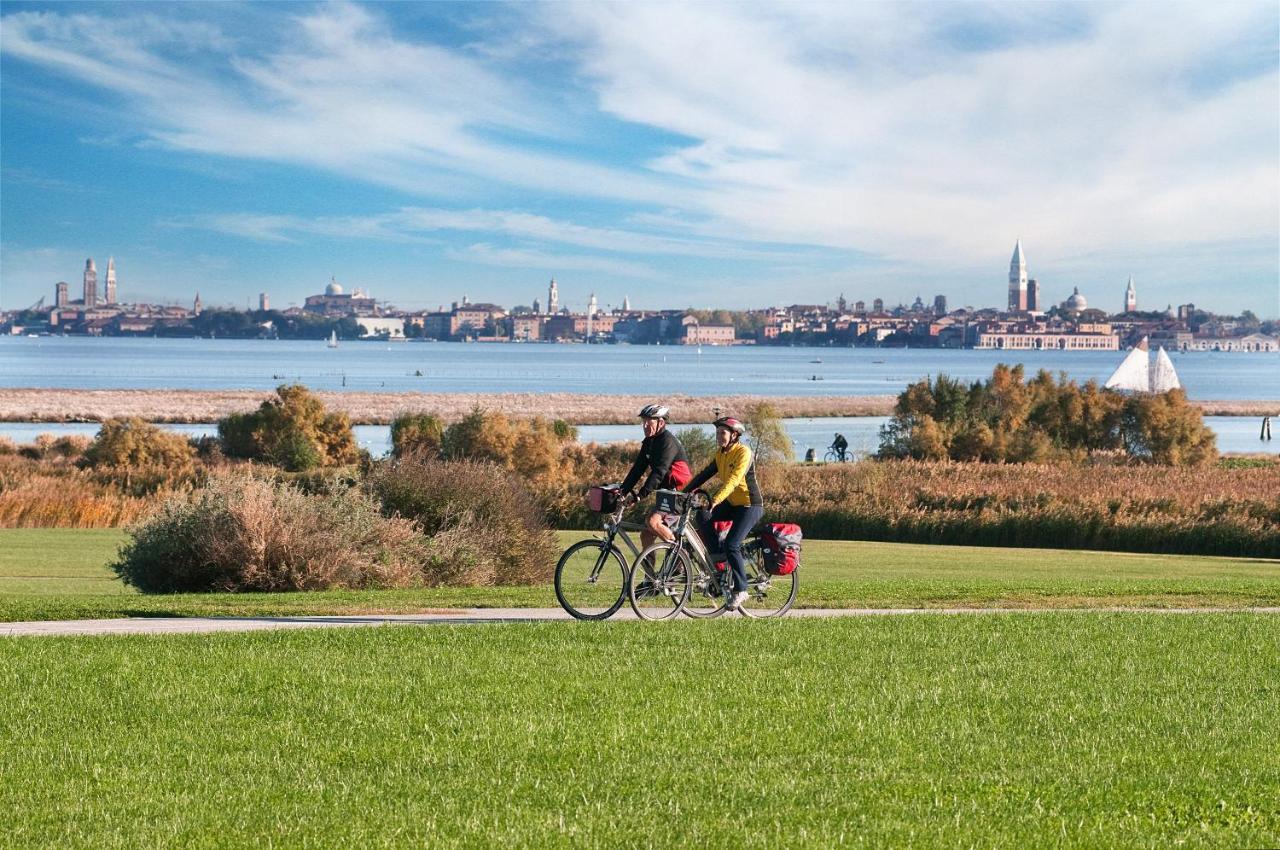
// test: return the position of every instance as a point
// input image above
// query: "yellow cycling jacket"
(737, 474)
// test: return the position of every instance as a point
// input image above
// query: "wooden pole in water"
(1266, 428)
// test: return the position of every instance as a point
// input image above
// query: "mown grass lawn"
(1015, 730)
(48, 574)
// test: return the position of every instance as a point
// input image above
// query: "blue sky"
(731, 155)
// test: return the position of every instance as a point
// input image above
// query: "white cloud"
(927, 136)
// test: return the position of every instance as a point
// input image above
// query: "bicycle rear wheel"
(767, 595)
(658, 585)
(591, 580)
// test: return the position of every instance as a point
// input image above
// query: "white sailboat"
(1138, 373)
(333, 339)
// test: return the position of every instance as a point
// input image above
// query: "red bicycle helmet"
(732, 424)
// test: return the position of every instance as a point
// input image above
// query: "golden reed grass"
(61, 405)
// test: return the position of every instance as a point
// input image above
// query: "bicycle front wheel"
(767, 595)
(830, 457)
(591, 580)
(658, 586)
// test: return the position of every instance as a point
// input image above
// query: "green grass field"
(1011, 730)
(48, 574)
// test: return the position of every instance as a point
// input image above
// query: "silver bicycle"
(710, 581)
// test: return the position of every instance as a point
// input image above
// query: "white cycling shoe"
(735, 601)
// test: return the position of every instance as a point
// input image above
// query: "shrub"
(416, 433)
(142, 457)
(484, 525)
(767, 436)
(241, 533)
(8, 446)
(535, 447)
(293, 431)
(699, 446)
(1044, 420)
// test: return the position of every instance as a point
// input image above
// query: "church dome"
(334, 288)
(1077, 301)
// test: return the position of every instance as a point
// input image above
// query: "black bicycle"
(591, 577)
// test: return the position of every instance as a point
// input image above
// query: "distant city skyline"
(421, 152)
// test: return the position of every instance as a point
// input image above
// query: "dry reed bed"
(364, 408)
(56, 495)
(1213, 511)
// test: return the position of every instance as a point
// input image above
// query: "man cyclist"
(736, 501)
(839, 445)
(663, 456)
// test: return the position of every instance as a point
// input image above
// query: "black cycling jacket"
(668, 467)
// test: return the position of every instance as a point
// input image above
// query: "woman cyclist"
(737, 500)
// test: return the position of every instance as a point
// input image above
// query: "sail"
(1163, 376)
(1132, 373)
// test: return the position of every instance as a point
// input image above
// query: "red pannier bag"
(603, 500)
(780, 542)
(722, 531)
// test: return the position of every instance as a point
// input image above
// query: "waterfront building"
(90, 284)
(1018, 280)
(60, 299)
(553, 298)
(1130, 297)
(337, 302)
(694, 332)
(526, 328)
(1250, 342)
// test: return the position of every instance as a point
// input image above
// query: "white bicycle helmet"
(654, 411)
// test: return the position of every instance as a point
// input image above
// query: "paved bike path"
(472, 616)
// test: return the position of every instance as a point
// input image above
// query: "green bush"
(535, 448)
(131, 443)
(484, 525)
(242, 533)
(417, 433)
(767, 435)
(293, 431)
(699, 447)
(1044, 420)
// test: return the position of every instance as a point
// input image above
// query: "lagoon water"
(1235, 433)
(144, 363)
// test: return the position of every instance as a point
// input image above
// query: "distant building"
(1033, 296)
(264, 302)
(1076, 302)
(626, 304)
(1035, 338)
(111, 280)
(859, 306)
(196, 306)
(1130, 297)
(695, 333)
(336, 302)
(939, 305)
(60, 294)
(553, 298)
(526, 328)
(1017, 280)
(877, 306)
(90, 284)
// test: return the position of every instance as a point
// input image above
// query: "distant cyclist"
(737, 500)
(664, 458)
(840, 445)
